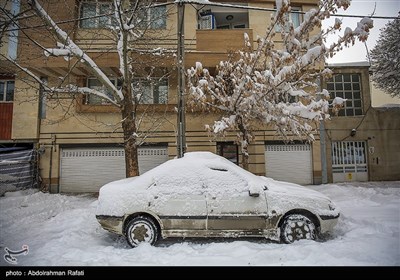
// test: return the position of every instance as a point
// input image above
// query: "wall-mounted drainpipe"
(51, 167)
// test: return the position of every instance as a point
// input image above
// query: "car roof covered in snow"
(191, 167)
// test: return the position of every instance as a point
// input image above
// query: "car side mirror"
(253, 193)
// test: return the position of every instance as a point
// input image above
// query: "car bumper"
(111, 223)
(328, 222)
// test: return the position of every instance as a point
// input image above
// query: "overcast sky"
(358, 52)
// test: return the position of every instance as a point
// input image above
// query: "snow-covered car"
(205, 195)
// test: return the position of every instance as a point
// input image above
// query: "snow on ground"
(62, 230)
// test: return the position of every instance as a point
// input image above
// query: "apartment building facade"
(81, 137)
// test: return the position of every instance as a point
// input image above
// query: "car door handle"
(214, 197)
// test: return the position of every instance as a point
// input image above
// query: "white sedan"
(205, 195)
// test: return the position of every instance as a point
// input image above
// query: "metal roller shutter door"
(87, 169)
(290, 163)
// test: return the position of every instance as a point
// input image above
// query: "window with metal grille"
(349, 156)
(347, 86)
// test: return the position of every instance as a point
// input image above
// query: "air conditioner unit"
(207, 22)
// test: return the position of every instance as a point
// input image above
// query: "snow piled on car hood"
(287, 188)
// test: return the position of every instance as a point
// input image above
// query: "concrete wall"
(380, 98)
(5, 39)
(25, 112)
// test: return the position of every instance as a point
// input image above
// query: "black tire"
(141, 229)
(296, 227)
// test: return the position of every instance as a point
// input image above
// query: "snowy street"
(62, 230)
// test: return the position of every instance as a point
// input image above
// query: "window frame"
(153, 85)
(5, 89)
(102, 101)
(152, 18)
(299, 15)
(116, 83)
(339, 87)
(220, 150)
(97, 19)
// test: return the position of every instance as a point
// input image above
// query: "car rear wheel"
(141, 229)
(296, 227)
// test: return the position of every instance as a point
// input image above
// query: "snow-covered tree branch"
(127, 24)
(275, 84)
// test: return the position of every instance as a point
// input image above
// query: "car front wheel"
(297, 227)
(141, 229)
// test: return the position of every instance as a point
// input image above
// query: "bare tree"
(275, 84)
(131, 25)
(385, 59)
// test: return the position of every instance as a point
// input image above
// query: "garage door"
(87, 169)
(290, 163)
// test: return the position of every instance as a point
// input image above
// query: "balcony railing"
(213, 40)
(222, 40)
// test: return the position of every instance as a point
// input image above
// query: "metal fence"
(18, 169)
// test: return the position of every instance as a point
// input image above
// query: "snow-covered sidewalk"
(62, 230)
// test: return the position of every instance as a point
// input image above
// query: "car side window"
(180, 184)
(221, 179)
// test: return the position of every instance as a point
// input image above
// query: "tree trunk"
(131, 157)
(128, 111)
(130, 146)
(244, 143)
(245, 157)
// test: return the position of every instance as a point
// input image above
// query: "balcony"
(222, 40)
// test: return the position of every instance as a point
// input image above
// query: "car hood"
(286, 188)
(283, 196)
(116, 197)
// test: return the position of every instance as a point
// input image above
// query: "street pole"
(323, 151)
(181, 125)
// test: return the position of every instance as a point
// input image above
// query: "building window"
(148, 91)
(151, 91)
(228, 150)
(154, 18)
(294, 17)
(223, 18)
(96, 84)
(6, 91)
(92, 11)
(157, 17)
(100, 15)
(347, 86)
